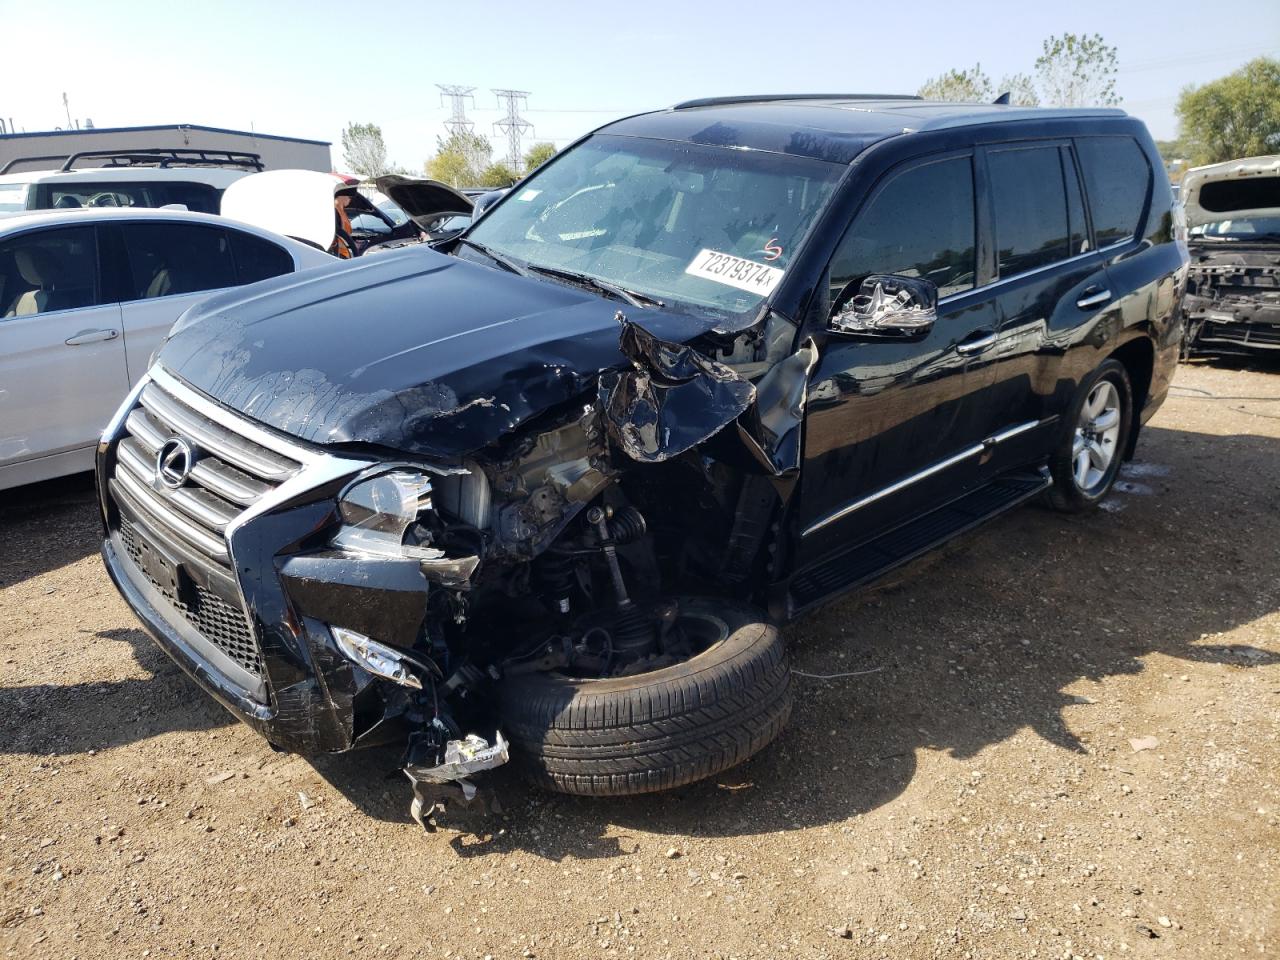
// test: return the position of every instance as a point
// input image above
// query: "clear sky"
(305, 69)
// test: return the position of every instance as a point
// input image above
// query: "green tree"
(497, 174)
(1021, 89)
(364, 152)
(1235, 116)
(460, 160)
(958, 86)
(538, 154)
(1077, 71)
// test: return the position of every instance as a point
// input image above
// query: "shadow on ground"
(56, 719)
(46, 526)
(968, 646)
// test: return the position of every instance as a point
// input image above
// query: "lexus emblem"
(174, 462)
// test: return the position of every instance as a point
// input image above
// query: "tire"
(1076, 489)
(657, 730)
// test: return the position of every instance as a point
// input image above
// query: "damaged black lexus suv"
(547, 490)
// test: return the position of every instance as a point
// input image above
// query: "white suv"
(86, 296)
(193, 179)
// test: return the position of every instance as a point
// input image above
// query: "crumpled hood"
(414, 350)
(1249, 187)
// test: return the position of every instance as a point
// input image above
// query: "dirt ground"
(1063, 740)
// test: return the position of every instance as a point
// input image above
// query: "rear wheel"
(1089, 454)
(660, 729)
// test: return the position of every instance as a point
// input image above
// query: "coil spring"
(554, 577)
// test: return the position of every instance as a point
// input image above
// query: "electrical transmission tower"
(457, 94)
(513, 126)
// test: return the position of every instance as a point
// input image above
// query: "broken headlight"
(379, 511)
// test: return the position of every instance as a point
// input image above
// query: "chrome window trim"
(898, 485)
(1031, 273)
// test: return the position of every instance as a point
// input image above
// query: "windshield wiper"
(505, 262)
(633, 297)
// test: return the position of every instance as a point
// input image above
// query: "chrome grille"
(229, 474)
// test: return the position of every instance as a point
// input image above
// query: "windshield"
(708, 227)
(1240, 228)
(13, 197)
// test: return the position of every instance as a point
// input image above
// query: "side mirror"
(887, 306)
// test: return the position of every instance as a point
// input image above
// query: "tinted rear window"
(258, 259)
(1117, 179)
(1224, 196)
(1030, 208)
(167, 259)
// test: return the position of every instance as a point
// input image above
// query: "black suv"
(551, 486)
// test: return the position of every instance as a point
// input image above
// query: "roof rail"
(771, 97)
(17, 160)
(151, 157)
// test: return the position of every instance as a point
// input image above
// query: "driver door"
(891, 428)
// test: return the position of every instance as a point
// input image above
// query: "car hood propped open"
(428, 354)
(1236, 189)
(423, 200)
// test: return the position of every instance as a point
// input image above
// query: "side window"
(199, 197)
(1030, 208)
(921, 224)
(1075, 205)
(48, 270)
(78, 193)
(1117, 179)
(258, 259)
(166, 259)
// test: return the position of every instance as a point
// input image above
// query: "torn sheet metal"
(772, 428)
(462, 759)
(673, 399)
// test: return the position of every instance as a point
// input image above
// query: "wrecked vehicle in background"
(545, 492)
(1233, 286)
(301, 204)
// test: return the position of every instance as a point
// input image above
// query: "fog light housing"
(375, 657)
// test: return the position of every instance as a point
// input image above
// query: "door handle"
(1093, 297)
(91, 336)
(976, 345)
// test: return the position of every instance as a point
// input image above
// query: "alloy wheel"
(1097, 432)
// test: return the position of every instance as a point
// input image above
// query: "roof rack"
(771, 97)
(150, 157)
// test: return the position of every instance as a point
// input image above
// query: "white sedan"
(85, 298)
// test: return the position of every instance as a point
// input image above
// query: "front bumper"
(245, 603)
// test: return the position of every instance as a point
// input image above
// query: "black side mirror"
(887, 305)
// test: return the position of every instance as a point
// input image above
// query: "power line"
(1161, 63)
(457, 95)
(513, 126)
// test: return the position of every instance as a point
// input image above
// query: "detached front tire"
(657, 730)
(1089, 454)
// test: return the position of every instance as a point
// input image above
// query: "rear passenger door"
(169, 265)
(1051, 285)
(62, 368)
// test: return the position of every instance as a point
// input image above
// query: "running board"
(869, 560)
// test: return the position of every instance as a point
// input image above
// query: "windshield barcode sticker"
(735, 272)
